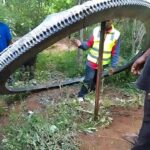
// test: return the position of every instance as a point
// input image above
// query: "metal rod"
(99, 70)
(80, 52)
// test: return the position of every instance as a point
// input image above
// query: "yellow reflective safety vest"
(110, 40)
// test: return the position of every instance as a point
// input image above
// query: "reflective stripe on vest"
(110, 39)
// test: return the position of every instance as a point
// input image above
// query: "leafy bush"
(55, 128)
(9, 99)
(65, 62)
(36, 132)
(26, 15)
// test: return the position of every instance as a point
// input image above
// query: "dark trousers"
(89, 81)
(143, 142)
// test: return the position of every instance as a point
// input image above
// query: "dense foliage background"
(23, 16)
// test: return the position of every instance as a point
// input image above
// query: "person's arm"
(146, 54)
(139, 63)
(85, 44)
(8, 36)
(115, 56)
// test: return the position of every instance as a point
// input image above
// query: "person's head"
(109, 24)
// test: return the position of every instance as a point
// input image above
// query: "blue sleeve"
(8, 35)
(87, 44)
(84, 45)
(115, 57)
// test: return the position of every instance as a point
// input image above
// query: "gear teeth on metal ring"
(55, 23)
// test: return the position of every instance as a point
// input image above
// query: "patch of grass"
(51, 66)
(65, 62)
(2, 110)
(126, 97)
(9, 99)
(55, 128)
(37, 132)
(123, 80)
(134, 101)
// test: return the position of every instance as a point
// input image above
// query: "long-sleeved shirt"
(114, 53)
(143, 81)
(5, 36)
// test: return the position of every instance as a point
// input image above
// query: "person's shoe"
(80, 99)
(131, 138)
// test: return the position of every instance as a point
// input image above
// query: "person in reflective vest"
(110, 55)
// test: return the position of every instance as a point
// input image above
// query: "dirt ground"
(124, 121)
(111, 138)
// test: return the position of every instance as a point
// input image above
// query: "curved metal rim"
(71, 81)
(78, 17)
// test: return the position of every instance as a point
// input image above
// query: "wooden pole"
(99, 70)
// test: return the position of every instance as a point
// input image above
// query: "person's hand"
(111, 71)
(76, 42)
(138, 65)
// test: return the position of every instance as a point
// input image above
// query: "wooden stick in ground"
(80, 52)
(99, 70)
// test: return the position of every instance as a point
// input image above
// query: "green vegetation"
(11, 99)
(2, 111)
(22, 16)
(64, 62)
(52, 66)
(54, 128)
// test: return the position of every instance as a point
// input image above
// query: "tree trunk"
(3, 2)
(80, 52)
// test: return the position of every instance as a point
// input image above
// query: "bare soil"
(62, 45)
(111, 138)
